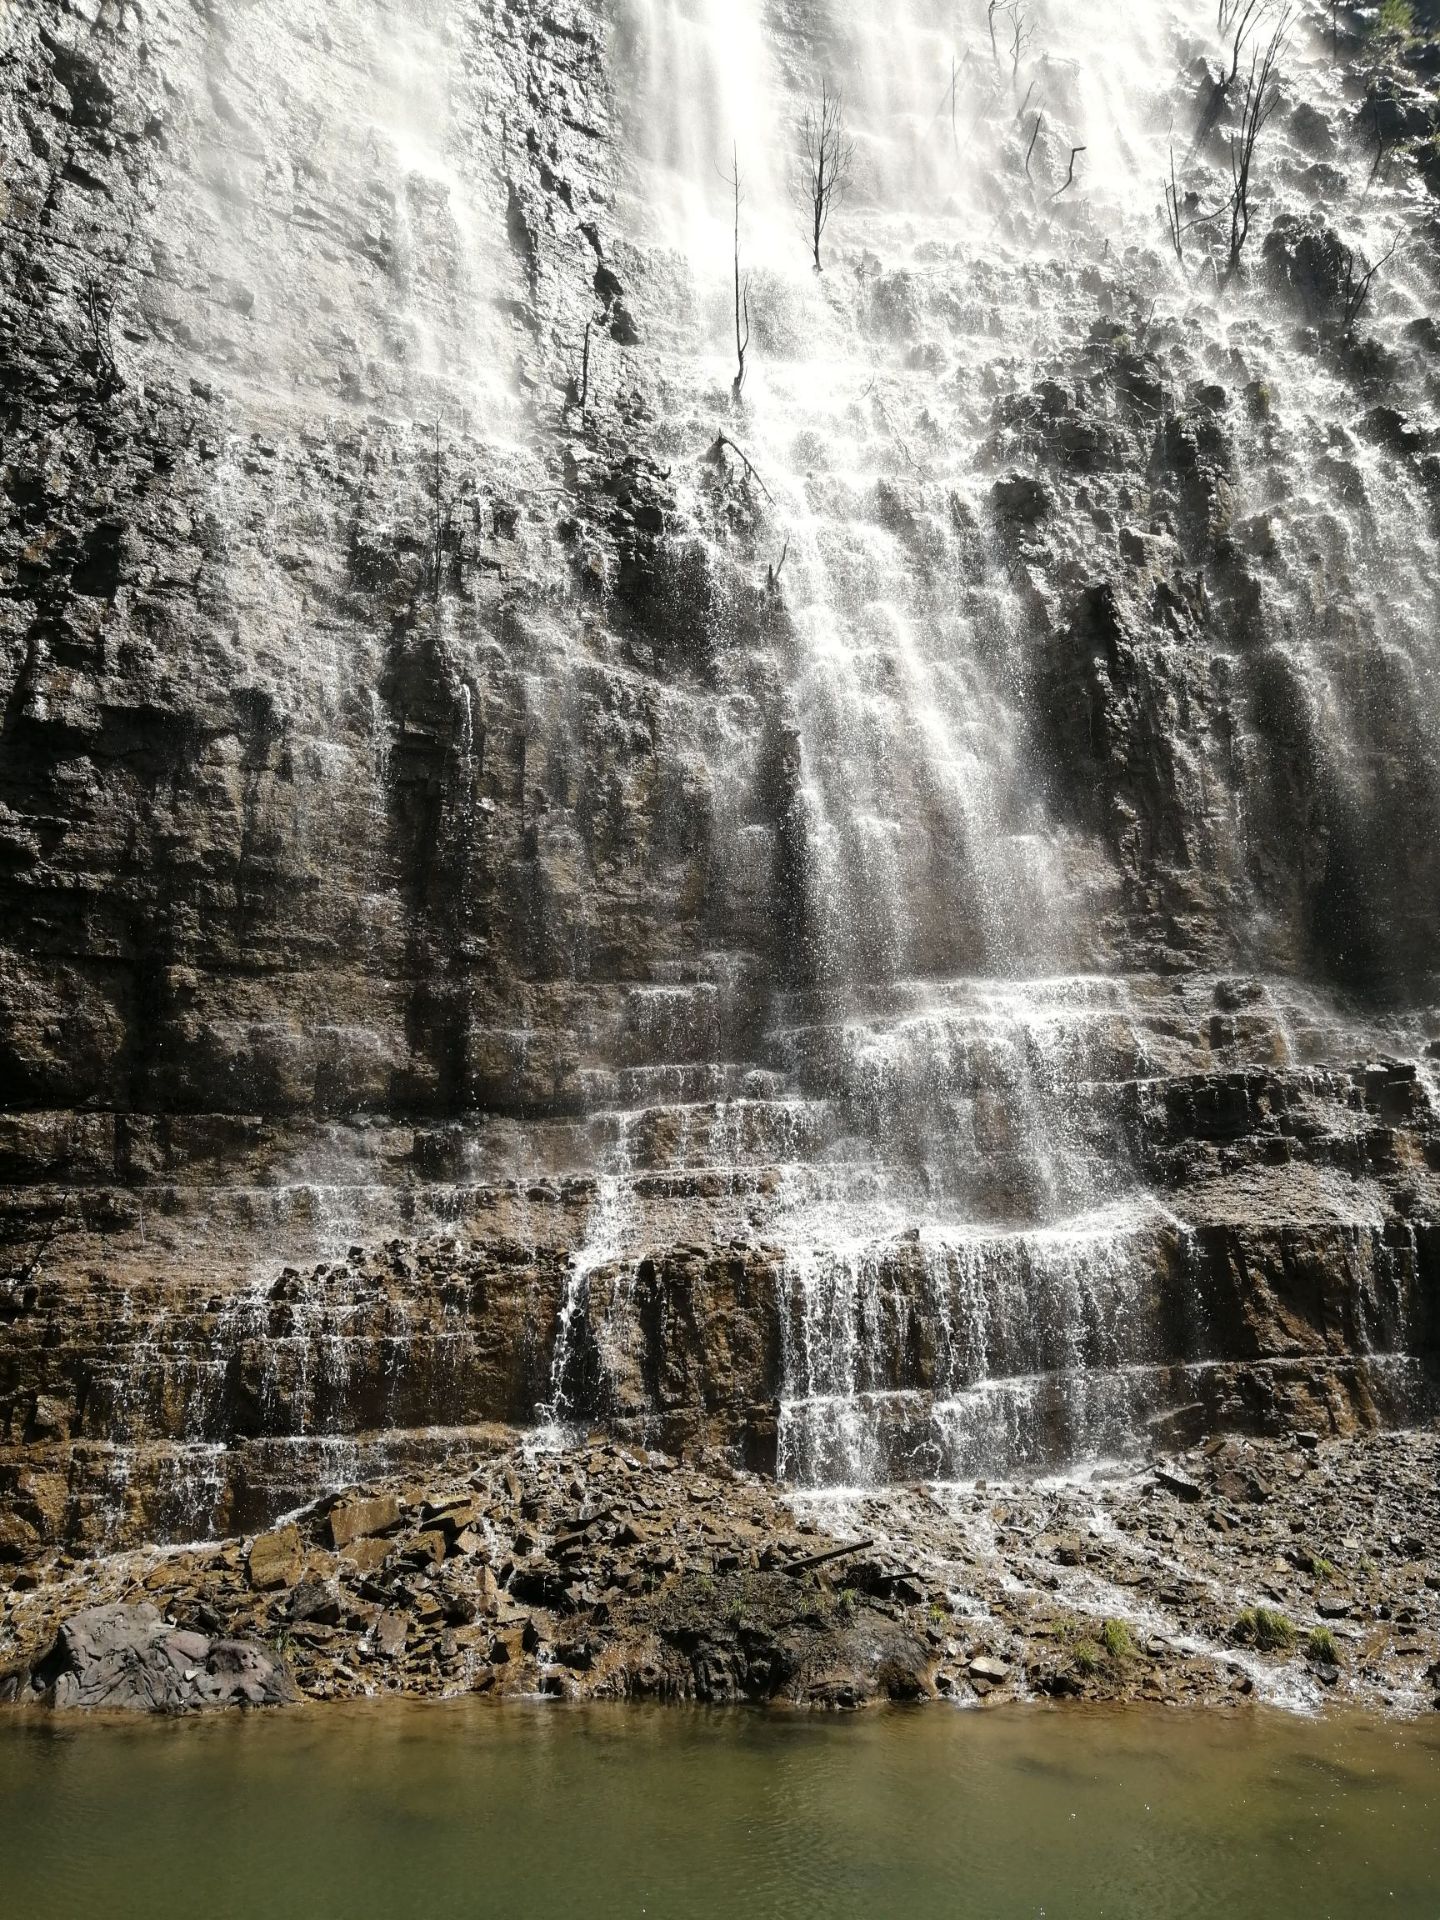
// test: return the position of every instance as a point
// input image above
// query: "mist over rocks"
(882, 926)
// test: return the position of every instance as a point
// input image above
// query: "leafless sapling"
(1262, 96)
(1013, 18)
(1180, 214)
(827, 166)
(1375, 103)
(742, 287)
(577, 391)
(1243, 16)
(100, 330)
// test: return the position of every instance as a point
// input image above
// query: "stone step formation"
(880, 923)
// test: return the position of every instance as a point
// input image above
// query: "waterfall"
(964, 1071)
(949, 1003)
(923, 841)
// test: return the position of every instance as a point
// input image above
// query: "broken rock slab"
(363, 1519)
(123, 1659)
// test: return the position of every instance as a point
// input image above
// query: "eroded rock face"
(128, 1659)
(469, 952)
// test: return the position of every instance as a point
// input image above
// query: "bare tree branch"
(1069, 180)
(1039, 122)
(1359, 278)
(723, 445)
(1262, 96)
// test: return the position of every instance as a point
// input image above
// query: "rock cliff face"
(884, 922)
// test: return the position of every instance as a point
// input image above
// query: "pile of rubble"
(1296, 1571)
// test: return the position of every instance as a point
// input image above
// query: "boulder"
(902, 1671)
(1179, 1484)
(49, 1419)
(362, 1519)
(120, 1659)
(1306, 260)
(276, 1560)
(1022, 498)
(390, 1634)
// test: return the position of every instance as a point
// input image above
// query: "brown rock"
(389, 1635)
(362, 1519)
(276, 1560)
(366, 1555)
(49, 1419)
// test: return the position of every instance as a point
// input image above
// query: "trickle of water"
(604, 1245)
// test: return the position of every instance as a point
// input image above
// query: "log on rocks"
(814, 1560)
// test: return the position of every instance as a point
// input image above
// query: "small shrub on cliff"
(1086, 1658)
(1397, 18)
(1266, 1630)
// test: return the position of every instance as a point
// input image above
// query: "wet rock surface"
(1293, 1572)
(428, 990)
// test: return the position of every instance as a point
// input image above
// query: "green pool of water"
(400, 1812)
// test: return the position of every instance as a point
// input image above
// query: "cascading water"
(925, 847)
(994, 1196)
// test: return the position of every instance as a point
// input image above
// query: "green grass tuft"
(1320, 1647)
(1261, 1627)
(1117, 1640)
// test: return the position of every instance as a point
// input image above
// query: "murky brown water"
(468, 1809)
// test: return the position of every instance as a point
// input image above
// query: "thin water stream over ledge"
(532, 1811)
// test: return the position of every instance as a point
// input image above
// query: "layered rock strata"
(487, 939)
